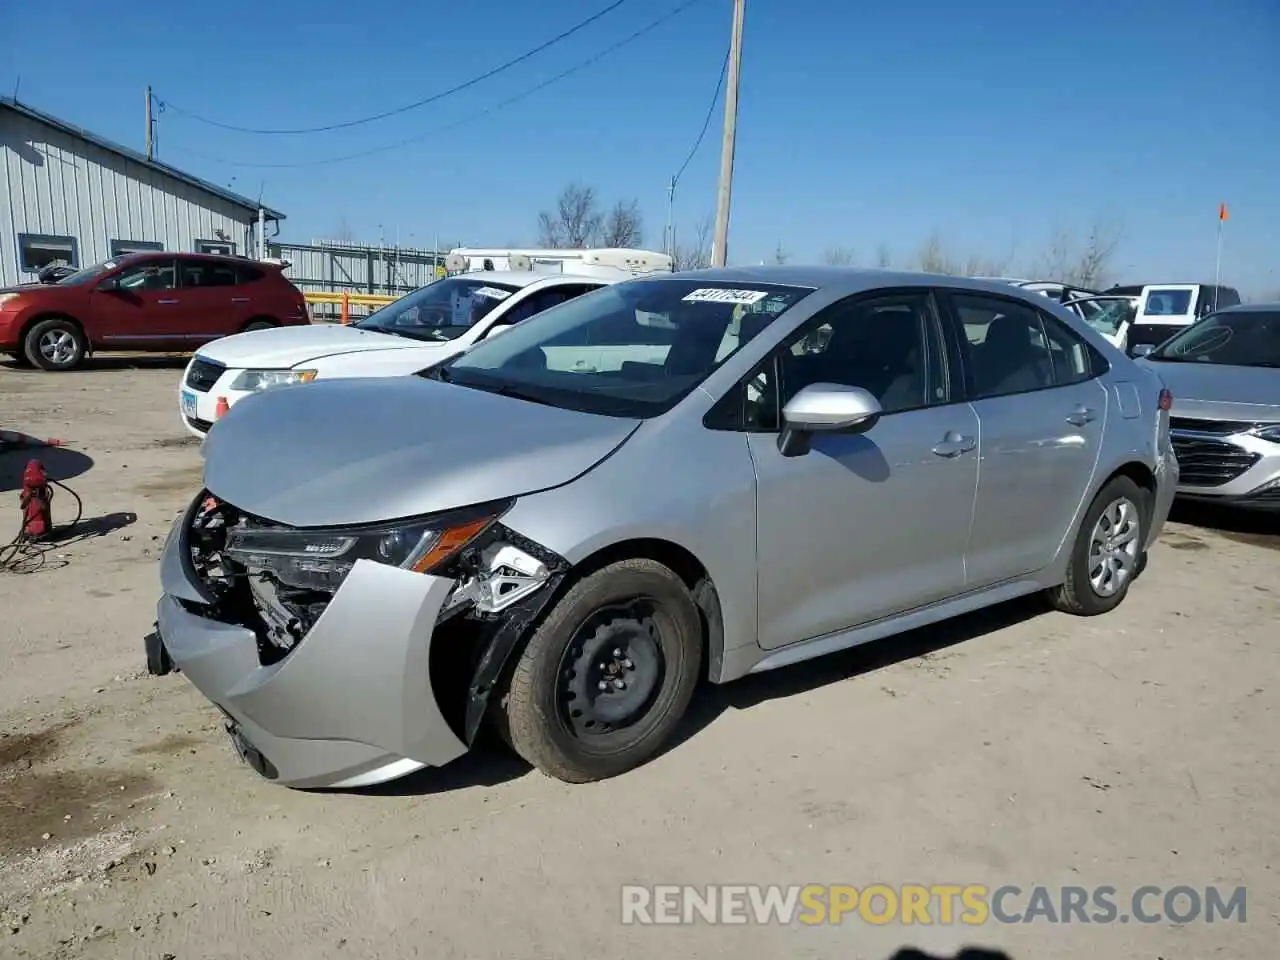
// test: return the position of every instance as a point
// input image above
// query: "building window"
(223, 248)
(38, 250)
(121, 247)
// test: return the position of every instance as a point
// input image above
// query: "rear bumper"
(351, 705)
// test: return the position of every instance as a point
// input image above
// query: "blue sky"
(993, 123)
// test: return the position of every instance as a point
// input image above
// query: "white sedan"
(431, 324)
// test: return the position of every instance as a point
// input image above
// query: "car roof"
(1270, 307)
(523, 278)
(842, 280)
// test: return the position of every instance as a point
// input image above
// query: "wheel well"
(252, 320)
(41, 317)
(1140, 474)
(687, 567)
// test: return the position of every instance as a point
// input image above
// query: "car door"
(862, 526)
(1041, 414)
(213, 305)
(139, 306)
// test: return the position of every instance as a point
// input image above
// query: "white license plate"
(188, 404)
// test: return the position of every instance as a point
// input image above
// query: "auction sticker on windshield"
(717, 295)
(491, 292)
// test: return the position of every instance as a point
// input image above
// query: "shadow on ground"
(968, 953)
(1261, 528)
(491, 762)
(96, 362)
(60, 463)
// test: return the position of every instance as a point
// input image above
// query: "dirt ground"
(1013, 747)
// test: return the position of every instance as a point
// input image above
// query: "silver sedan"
(1224, 371)
(685, 477)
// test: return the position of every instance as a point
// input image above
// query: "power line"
(711, 109)
(501, 105)
(435, 97)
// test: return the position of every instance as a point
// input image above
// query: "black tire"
(639, 608)
(1077, 594)
(253, 325)
(55, 344)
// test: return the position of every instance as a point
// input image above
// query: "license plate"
(188, 404)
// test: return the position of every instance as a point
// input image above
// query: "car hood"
(27, 287)
(368, 450)
(282, 347)
(1218, 392)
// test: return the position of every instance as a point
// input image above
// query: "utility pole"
(719, 247)
(670, 232)
(150, 123)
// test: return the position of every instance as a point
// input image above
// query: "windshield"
(1106, 316)
(632, 349)
(441, 310)
(1244, 338)
(89, 274)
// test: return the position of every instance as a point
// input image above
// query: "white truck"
(591, 262)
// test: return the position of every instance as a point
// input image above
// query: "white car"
(431, 324)
(1111, 316)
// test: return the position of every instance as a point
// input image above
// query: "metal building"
(69, 195)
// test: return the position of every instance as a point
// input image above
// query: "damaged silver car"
(676, 478)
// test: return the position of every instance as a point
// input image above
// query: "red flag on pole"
(1222, 211)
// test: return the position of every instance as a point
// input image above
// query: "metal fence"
(327, 267)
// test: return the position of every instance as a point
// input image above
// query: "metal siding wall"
(57, 184)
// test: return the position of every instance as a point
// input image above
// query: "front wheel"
(55, 344)
(1109, 552)
(606, 678)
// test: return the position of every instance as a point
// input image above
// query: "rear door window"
(1172, 302)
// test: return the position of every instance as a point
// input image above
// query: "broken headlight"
(320, 559)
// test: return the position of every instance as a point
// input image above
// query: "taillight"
(1166, 400)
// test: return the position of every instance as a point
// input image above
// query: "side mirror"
(1142, 350)
(498, 328)
(825, 408)
(108, 285)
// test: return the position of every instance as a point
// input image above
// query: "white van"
(596, 262)
(1165, 308)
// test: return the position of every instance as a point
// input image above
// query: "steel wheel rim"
(611, 671)
(1114, 547)
(57, 346)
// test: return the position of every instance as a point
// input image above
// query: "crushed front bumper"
(351, 705)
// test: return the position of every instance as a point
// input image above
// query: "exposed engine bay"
(501, 582)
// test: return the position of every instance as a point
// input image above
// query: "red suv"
(147, 302)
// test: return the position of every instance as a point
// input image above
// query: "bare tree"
(884, 258)
(837, 256)
(932, 258)
(1088, 264)
(343, 232)
(623, 227)
(695, 255)
(576, 221)
(781, 254)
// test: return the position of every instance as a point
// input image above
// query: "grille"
(1220, 428)
(203, 374)
(1204, 462)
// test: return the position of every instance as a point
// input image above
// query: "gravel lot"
(1014, 747)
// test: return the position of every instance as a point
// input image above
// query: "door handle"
(954, 444)
(166, 301)
(1081, 415)
(239, 299)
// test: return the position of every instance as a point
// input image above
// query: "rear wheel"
(55, 344)
(605, 679)
(1108, 554)
(259, 325)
